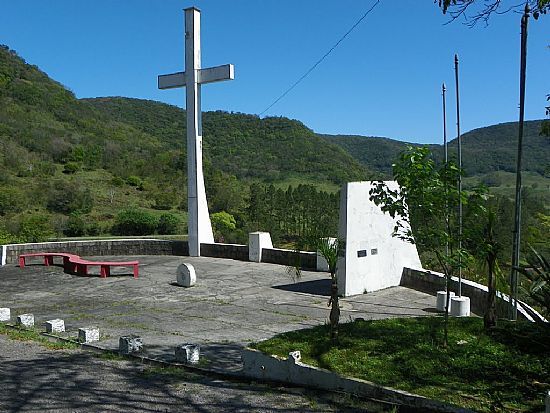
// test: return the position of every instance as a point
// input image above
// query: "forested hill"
(246, 146)
(488, 149)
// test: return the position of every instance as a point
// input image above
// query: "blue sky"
(383, 80)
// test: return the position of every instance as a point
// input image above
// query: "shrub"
(66, 197)
(134, 181)
(76, 227)
(223, 224)
(71, 168)
(168, 224)
(135, 221)
(11, 200)
(35, 228)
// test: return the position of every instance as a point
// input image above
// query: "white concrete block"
(441, 300)
(188, 353)
(547, 403)
(322, 264)
(294, 357)
(130, 344)
(186, 276)
(55, 326)
(460, 306)
(5, 314)
(373, 258)
(25, 320)
(256, 242)
(88, 334)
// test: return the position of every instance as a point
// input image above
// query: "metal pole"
(459, 180)
(446, 160)
(517, 217)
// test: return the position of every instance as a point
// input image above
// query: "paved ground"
(233, 303)
(33, 379)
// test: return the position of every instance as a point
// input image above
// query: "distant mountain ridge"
(487, 149)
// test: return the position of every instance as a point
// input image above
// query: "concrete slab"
(232, 303)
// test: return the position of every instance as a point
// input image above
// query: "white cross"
(199, 226)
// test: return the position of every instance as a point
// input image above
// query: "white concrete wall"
(374, 259)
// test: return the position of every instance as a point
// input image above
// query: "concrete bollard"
(441, 300)
(88, 334)
(5, 314)
(256, 242)
(130, 344)
(294, 357)
(188, 353)
(55, 326)
(25, 320)
(547, 403)
(186, 276)
(460, 306)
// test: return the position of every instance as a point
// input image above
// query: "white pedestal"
(441, 300)
(547, 403)
(186, 276)
(5, 314)
(256, 242)
(460, 306)
(25, 320)
(88, 334)
(188, 353)
(55, 326)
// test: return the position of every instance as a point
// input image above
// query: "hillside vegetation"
(484, 150)
(80, 166)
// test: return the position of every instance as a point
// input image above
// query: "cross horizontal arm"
(216, 74)
(171, 81)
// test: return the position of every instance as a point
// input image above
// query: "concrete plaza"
(232, 304)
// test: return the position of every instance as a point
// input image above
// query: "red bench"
(74, 264)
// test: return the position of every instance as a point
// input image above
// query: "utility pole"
(517, 216)
(446, 160)
(459, 180)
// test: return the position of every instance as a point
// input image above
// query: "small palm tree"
(538, 273)
(330, 249)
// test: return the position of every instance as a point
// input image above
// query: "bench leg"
(105, 271)
(135, 270)
(22, 262)
(48, 260)
(82, 269)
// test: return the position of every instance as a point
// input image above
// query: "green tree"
(421, 206)
(223, 224)
(35, 228)
(134, 221)
(537, 271)
(169, 224)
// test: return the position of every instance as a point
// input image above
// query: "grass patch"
(29, 334)
(505, 369)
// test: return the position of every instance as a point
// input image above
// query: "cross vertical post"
(199, 226)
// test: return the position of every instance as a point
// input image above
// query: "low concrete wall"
(258, 365)
(231, 251)
(10, 252)
(430, 282)
(127, 247)
(308, 260)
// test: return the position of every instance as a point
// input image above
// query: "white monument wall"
(374, 259)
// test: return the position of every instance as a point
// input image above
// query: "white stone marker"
(257, 241)
(441, 300)
(25, 320)
(199, 226)
(460, 306)
(130, 344)
(188, 353)
(547, 403)
(373, 258)
(5, 314)
(55, 326)
(186, 276)
(88, 334)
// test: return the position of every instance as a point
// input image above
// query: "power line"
(312, 68)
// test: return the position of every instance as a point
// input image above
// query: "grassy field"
(504, 370)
